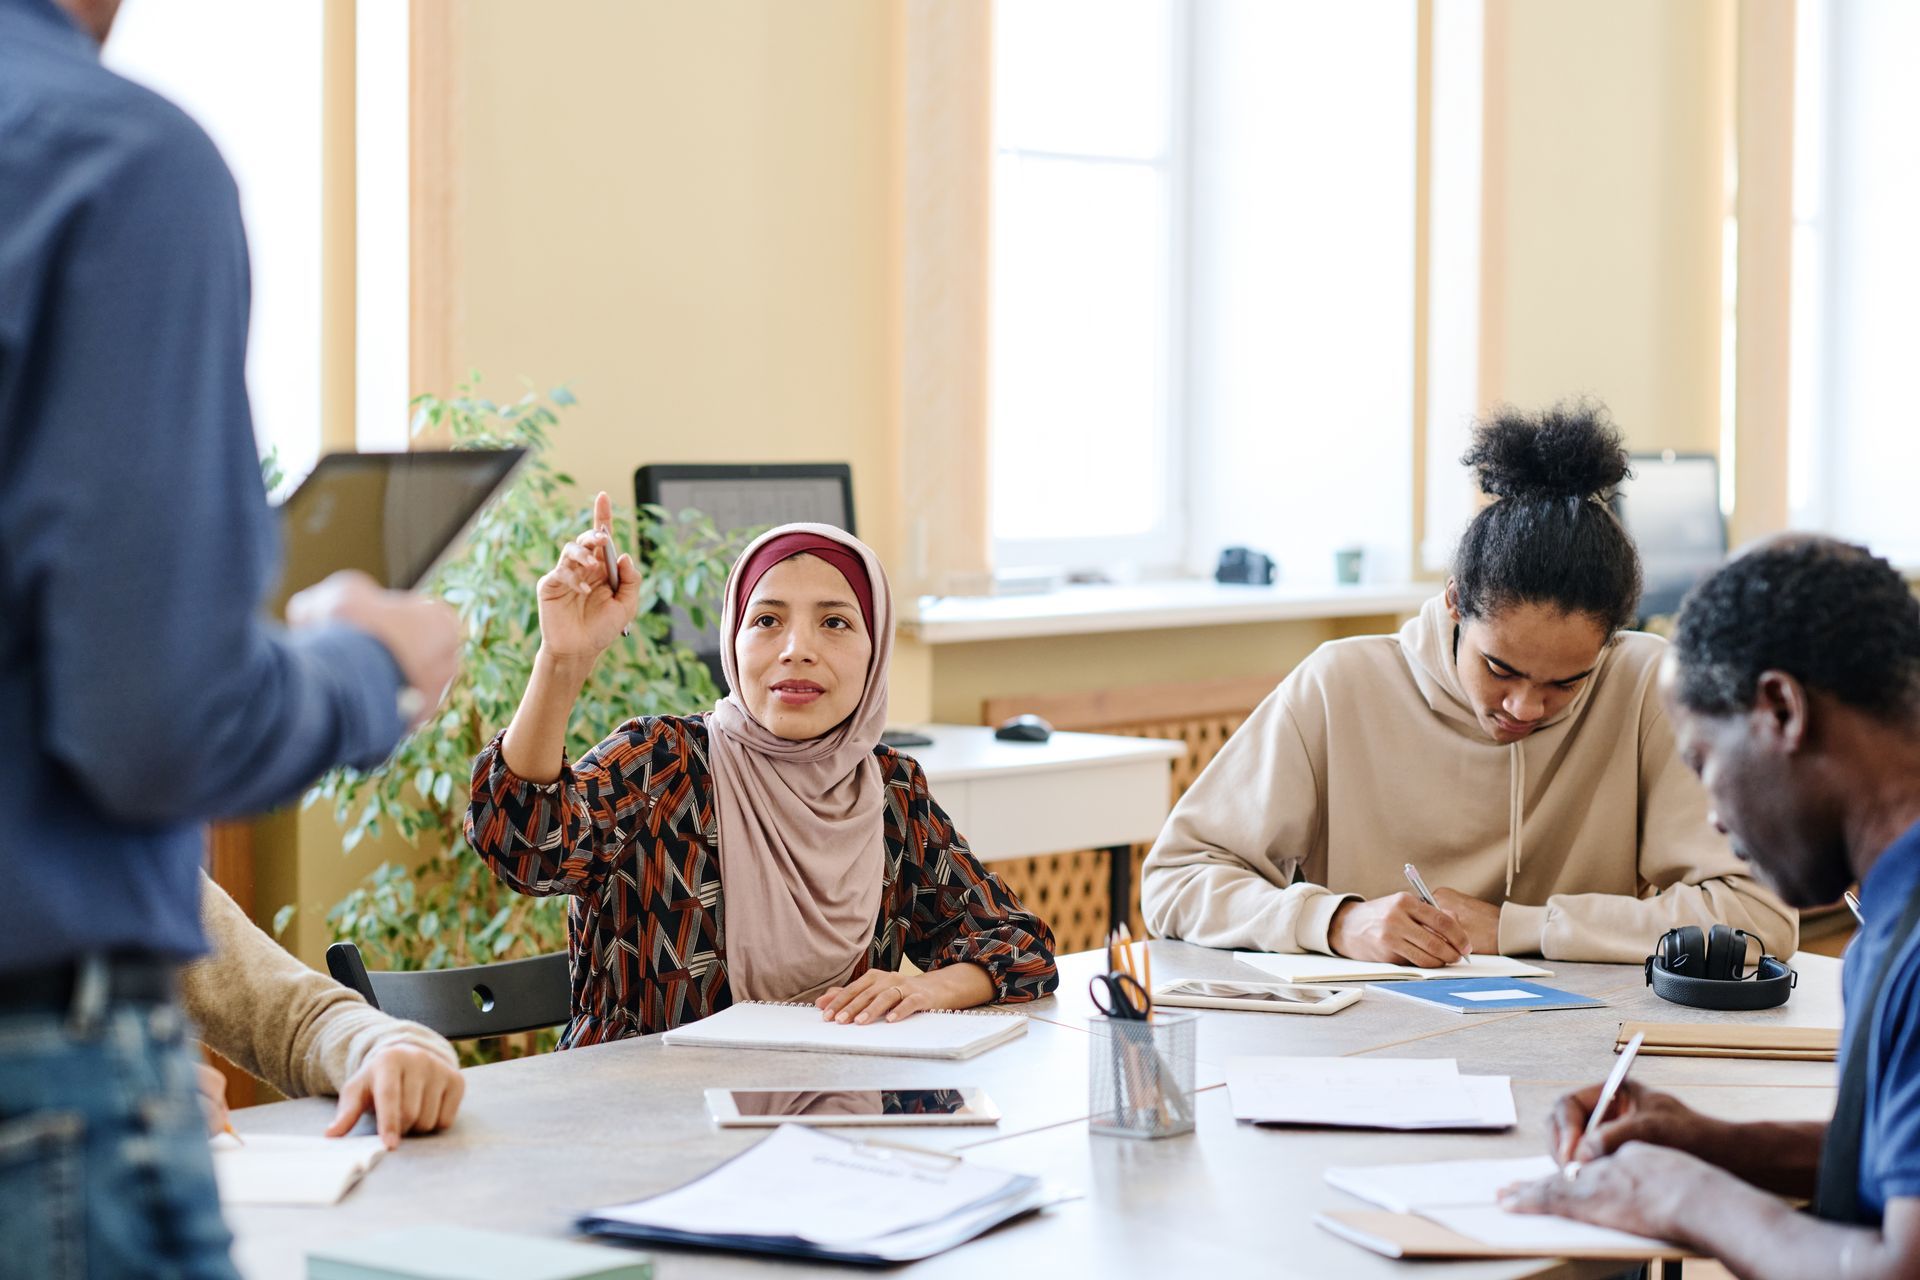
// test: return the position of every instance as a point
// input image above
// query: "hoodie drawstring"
(1516, 808)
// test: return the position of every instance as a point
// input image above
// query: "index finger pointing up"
(603, 512)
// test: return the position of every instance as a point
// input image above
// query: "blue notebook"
(1488, 995)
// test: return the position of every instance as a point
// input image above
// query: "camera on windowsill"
(1245, 566)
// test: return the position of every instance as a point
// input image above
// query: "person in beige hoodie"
(305, 1034)
(1509, 741)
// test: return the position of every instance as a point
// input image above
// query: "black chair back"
(481, 1000)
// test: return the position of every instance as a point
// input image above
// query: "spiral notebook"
(766, 1024)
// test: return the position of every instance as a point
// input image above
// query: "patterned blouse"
(630, 833)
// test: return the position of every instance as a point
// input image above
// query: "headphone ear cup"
(1683, 951)
(1726, 953)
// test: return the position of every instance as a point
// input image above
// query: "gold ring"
(899, 991)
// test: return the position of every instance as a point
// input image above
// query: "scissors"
(1120, 995)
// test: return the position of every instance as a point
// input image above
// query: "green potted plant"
(447, 909)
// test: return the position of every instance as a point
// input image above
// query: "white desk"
(1073, 791)
(539, 1140)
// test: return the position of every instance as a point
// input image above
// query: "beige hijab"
(802, 824)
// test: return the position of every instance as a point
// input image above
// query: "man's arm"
(149, 545)
(1658, 1191)
(263, 1010)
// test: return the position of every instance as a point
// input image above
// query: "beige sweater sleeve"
(264, 1011)
(1688, 873)
(1223, 871)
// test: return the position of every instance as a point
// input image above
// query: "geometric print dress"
(629, 833)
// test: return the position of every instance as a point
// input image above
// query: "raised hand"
(581, 613)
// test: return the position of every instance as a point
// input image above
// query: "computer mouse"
(1027, 728)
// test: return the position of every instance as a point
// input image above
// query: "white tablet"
(735, 1108)
(1262, 997)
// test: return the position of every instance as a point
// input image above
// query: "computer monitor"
(744, 496)
(1671, 509)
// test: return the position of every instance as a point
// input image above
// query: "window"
(1854, 431)
(253, 76)
(1083, 469)
(250, 75)
(1203, 284)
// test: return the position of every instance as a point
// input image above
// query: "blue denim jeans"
(104, 1166)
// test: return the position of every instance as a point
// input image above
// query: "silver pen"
(1615, 1078)
(1426, 895)
(1853, 905)
(613, 569)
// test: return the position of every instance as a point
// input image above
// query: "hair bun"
(1571, 450)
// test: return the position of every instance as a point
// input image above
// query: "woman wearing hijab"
(769, 849)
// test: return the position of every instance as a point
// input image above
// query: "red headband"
(789, 545)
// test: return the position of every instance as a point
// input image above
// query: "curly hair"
(1550, 538)
(1833, 615)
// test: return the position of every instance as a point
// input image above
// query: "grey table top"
(541, 1139)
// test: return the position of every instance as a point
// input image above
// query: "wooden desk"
(541, 1139)
(1073, 791)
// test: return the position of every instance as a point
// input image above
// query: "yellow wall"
(686, 211)
(1606, 191)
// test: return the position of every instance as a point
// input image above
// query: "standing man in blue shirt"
(1794, 686)
(140, 692)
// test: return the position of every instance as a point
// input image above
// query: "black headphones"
(1704, 970)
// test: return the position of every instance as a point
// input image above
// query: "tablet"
(736, 1108)
(1262, 997)
(394, 516)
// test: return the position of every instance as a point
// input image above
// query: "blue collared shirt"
(141, 691)
(1890, 1138)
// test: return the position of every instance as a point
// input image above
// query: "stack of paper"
(1449, 1209)
(814, 1194)
(274, 1168)
(769, 1025)
(1317, 968)
(1368, 1093)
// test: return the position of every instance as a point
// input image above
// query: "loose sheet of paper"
(1550, 1236)
(1318, 968)
(1371, 1093)
(1504, 993)
(290, 1169)
(1438, 1184)
(813, 1186)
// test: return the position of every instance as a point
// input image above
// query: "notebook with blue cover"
(1488, 995)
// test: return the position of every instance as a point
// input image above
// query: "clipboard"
(1733, 1040)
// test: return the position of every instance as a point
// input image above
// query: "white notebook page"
(291, 1169)
(783, 1026)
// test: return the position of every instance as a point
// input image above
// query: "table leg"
(1119, 884)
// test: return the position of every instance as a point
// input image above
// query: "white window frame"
(1161, 549)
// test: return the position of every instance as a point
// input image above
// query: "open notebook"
(1302, 967)
(290, 1169)
(761, 1024)
(1449, 1209)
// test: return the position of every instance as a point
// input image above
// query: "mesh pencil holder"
(1140, 1075)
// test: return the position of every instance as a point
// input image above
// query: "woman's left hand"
(876, 994)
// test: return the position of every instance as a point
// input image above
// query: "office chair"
(461, 1004)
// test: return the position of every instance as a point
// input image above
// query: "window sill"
(1148, 606)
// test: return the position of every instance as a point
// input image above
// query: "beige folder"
(1732, 1040)
(1407, 1235)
